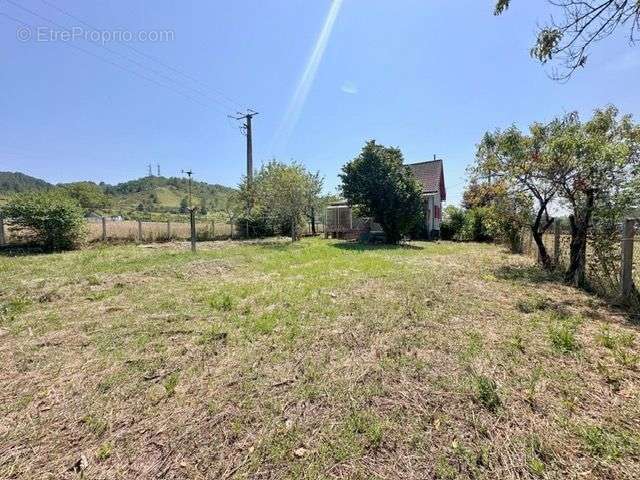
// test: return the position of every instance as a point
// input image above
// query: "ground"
(321, 359)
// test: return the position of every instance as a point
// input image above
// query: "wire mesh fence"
(606, 260)
(109, 230)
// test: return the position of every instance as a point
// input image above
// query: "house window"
(436, 212)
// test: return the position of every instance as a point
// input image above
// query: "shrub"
(50, 218)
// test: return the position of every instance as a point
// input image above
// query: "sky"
(138, 82)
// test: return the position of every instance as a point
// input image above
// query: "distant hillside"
(15, 182)
(162, 193)
(148, 194)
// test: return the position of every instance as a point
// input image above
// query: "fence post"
(104, 229)
(193, 229)
(231, 224)
(626, 273)
(168, 230)
(140, 231)
(556, 242)
(213, 229)
(2, 237)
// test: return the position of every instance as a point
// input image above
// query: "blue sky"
(427, 76)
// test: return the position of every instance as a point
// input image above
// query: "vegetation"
(16, 182)
(582, 23)
(279, 198)
(50, 218)
(592, 168)
(379, 184)
(313, 359)
(89, 196)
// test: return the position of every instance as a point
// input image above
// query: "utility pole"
(247, 129)
(158, 165)
(192, 214)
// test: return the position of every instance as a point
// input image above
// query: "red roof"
(431, 175)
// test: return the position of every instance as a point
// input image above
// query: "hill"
(167, 193)
(15, 182)
(147, 194)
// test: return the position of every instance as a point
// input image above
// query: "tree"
(89, 195)
(281, 195)
(51, 218)
(377, 182)
(599, 164)
(523, 167)
(583, 23)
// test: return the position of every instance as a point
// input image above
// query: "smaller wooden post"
(231, 229)
(213, 229)
(104, 229)
(168, 229)
(192, 214)
(626, 273)
(2, 237)
(140, 231)
(556, 242)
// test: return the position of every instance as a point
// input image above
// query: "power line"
(146, 55)
(140, 65)
(133, 72)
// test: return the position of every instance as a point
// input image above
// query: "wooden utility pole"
(247, 130)
(626, 271)
(192, 213)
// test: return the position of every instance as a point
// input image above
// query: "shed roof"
(431, 176)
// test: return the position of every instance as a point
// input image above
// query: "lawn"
(321, 359)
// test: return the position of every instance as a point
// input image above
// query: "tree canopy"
(382, 187)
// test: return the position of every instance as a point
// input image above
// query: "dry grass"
(157, 231)
(314, 360)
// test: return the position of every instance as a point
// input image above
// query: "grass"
(319, 359)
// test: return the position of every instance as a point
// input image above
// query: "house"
(341, 223)
(431, 176)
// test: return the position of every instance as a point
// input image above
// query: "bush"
(452, 224)
(50, 218)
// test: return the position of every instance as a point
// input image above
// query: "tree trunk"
(313, 221)
(545, 260)
(576, 273)
(538, 233)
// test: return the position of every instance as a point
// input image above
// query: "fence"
(614, 273)
(104, 229)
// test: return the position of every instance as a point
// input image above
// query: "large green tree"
(282, 195)
(581, 23)
(377, 182)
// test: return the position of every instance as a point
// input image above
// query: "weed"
(626, 358)
(486, 392)
(563, 337)
(605, 443)
(96, 424)
(222, 302)
(104, 452)
(170, 384)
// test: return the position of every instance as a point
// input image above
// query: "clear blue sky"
(428, 77)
